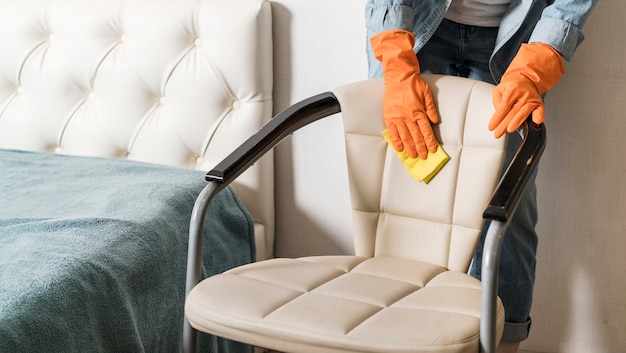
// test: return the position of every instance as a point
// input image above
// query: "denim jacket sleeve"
(386, 15)
(560, 25)
(420, 17)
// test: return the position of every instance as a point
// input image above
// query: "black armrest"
(272, 133)
(509, 191)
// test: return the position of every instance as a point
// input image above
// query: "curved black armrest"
(273, 132)
(509, 191)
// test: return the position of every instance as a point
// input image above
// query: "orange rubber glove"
(534, 70)
(408, 105)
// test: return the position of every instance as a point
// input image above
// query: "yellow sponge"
(422, 169)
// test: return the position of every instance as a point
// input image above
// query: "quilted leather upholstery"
(393, 215)
(407, 289)
(176, 82)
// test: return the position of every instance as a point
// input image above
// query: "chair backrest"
(175, 82)
(393, 215)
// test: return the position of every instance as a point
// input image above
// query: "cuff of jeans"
(516, 331)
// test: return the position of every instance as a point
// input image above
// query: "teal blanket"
(93, 253)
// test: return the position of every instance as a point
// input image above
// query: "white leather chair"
(406, 289)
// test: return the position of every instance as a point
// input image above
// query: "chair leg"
(189, 338)
(489, 279)
(194, 256)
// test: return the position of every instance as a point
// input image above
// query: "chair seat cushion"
(342, 304)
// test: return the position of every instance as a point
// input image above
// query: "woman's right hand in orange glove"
(408, 104)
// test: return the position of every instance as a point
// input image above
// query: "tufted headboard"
(175, 82)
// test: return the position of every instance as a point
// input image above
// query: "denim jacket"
(557, 23)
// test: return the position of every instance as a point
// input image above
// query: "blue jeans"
(462, 50)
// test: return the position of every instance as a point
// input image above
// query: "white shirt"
(483, 13)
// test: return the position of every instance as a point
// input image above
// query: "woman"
(519, 45)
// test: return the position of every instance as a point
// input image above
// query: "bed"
(111, 112)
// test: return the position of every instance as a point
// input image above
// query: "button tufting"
(197, 42)
(91, 95)
(122, 154)
(236, 104)
(20, 90)
(123, 38)
(51, 37)
(162, 100)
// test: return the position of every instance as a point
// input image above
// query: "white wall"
(580, 301)
(319, 46)
(580, 305)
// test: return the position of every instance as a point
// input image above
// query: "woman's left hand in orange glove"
(535, 69)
